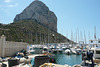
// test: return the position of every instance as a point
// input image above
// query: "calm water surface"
(68, 59)
(65, 59)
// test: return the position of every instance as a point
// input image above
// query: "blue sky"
(73, 15)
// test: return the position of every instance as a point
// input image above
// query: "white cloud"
(7, 1)
(13, 5)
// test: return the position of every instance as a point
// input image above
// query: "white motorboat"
(64, 47)
(73, 51)
(78, 51)
(45, 50)
(68, 51)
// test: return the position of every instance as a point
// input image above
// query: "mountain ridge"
(39, 11)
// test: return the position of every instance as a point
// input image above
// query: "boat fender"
(52, 60)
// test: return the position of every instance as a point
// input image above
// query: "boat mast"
(95, 35)
(71, 37)
(48, 37)
(81, 36)
(84, 39)
(89, 35)
(67, 35)
(78, 35)
(40, 37)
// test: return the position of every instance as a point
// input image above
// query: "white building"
(9, 48)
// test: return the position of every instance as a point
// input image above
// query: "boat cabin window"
(97, 52)
(91, 51)
(98, 41)
(91, 41)
(45, 49)
(30, 48)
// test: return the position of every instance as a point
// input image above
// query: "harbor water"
(63, 59)
(68, 59)
(71, 60)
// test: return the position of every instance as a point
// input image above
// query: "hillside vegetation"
(32, 32)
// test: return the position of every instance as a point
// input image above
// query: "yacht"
(96, 51)
(73, 50)
(95, 48)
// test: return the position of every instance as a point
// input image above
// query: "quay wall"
(9, 48)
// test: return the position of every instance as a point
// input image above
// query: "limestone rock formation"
(39, 11)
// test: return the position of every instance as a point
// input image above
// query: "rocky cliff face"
(39, 11)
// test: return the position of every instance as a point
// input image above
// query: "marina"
(56, 53)
(39, 37)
